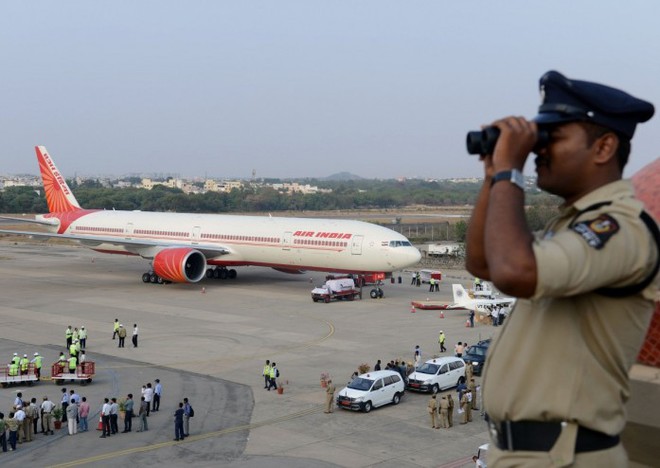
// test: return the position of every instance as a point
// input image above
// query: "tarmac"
(208, 341)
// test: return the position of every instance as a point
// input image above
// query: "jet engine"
(180, 265)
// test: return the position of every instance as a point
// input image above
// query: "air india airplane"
(186, 247)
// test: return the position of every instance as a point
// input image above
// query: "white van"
(438, 374)
(372, 390)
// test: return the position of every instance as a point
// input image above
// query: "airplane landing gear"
(221, 273)
(153, 278)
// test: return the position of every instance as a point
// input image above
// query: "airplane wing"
(48, 222)
(143, 248)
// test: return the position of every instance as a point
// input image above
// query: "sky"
(290, 89)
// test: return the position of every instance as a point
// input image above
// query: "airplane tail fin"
(58, 194)
(460, 294)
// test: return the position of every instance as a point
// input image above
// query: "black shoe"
(102, 437)
(176, 439)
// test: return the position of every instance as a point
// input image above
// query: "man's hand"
(517, 139)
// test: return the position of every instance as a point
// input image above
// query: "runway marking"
(194, 438)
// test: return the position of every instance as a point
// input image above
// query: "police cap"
(566, 100)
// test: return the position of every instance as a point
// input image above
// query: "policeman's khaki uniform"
(433, 411)
(329, 397)
(564, 354)
(444, 410)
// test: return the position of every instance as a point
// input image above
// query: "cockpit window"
(398, 243)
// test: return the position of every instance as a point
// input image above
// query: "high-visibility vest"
(15, 360)
(72, 362)
(74, 335)
(72, 349)
(273, 372)
(82, 334)
(24, 364)
(116, 326)
(68, 333)
(13, 369)
(37, 361)
(267, 370)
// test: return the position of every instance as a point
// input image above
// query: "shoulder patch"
(597, 231)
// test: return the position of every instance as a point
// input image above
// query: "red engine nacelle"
(180, 265)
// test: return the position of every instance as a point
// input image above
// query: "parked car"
(437, 374)
(477, 355)
(372, 390)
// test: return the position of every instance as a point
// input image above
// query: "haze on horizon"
(293, 88)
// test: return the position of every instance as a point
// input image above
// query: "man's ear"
(605, 148)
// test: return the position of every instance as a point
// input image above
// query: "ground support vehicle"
(336, 289)
(21, 379)
(366, 279)
(84, 372)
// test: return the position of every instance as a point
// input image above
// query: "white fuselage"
(286, 243)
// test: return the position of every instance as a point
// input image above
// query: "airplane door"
(195, 234)
(356, 245)
(287, 240)
(128, 233)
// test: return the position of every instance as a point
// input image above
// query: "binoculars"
(483, 141)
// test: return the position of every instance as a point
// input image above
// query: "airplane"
(186, 247)
(462, 300)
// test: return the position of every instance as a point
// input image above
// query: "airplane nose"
(410, 257)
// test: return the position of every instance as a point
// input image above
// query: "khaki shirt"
(432, 405)
(565, 353)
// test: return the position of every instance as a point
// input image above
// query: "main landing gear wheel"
(221, 273)
(153, 278)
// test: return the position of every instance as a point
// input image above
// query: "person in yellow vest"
(24, 364)
(77, 344)
(115, 328)
(37, 361)
(72, 349)
(73, 362)
(273, 377)
(266, 373)
(82, 336)
(13, 369)
(16, 359)
(69, 335)
(61, 361)
(75, 334)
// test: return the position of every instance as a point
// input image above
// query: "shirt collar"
(618, 189)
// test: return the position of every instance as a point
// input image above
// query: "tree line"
(345, 195)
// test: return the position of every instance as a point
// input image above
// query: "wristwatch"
(514, 176)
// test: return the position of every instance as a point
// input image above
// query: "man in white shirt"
(148, 396)
(105, 418)
(135, 335)
(46, 410)
(20, 417)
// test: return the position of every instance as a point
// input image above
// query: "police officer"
(585, 285)
(444, 412)
(433, 412)
(329, 396)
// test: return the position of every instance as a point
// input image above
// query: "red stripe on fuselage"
(68, 217)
